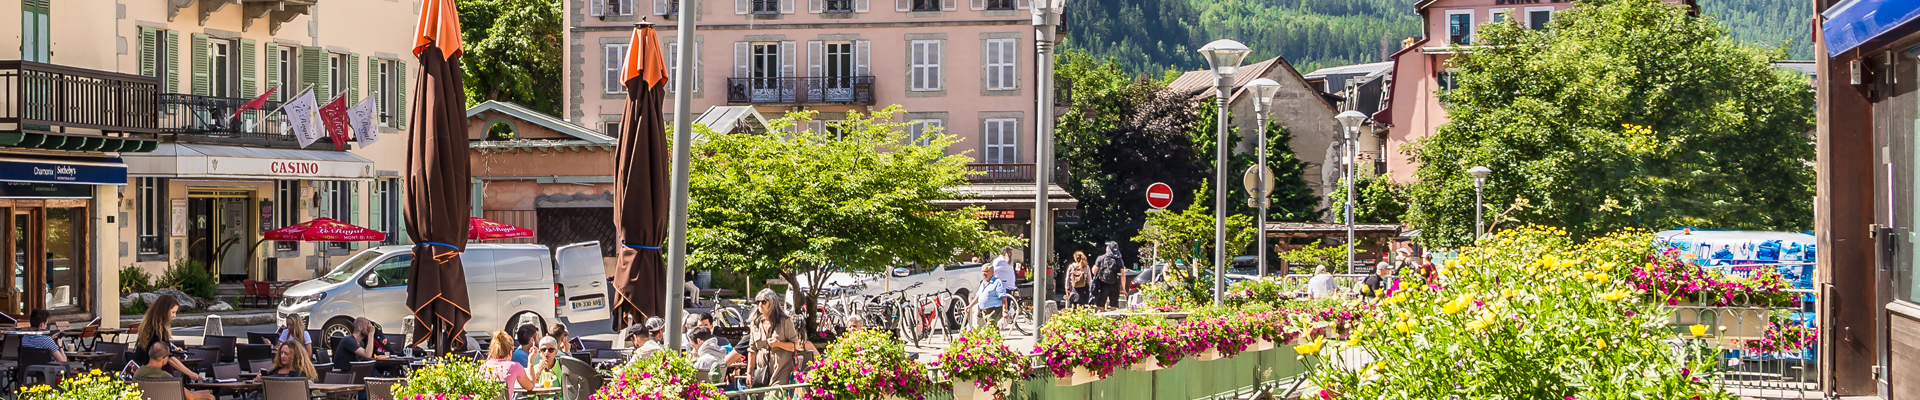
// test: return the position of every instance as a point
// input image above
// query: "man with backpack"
(1109, 278)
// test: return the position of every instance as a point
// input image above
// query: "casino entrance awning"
(203, 161)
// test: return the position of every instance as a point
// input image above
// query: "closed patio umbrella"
(437, 189)
(640, 183)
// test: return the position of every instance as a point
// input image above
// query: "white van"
(507, 285)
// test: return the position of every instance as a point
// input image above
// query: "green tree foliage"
(1187, 235)
(815, 203)
(1627, 113)
(512, 52)
(1377, 200)
(1316, 254)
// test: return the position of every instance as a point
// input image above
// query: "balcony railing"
(810, 90)
(209, 119)
(1012, 173)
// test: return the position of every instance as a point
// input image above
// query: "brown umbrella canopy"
(640, 183)
(437, 191)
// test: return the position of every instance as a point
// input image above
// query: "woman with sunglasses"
(547, 363)
(774, 341)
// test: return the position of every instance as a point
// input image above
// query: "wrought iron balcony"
(209, 119)
(49, 106)
(1012, 173)
(810, 90)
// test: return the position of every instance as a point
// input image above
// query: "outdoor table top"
(236, 385)
(336, 387)
(542, 390)
(88, 355)
(396, 360)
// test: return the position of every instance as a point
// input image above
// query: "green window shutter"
(353, 79)
(249, 82)
(202, 80)
(35, 42)
(353, 209)
(400, 84)
(313, 71)
(273, 70)
(147, 41)
(170, 75)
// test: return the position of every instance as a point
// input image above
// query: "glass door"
(65, 271)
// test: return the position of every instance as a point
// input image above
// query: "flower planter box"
(1148, 365)
(970, 390)
(1209, 355)
(1081, 376)
(1260, 345)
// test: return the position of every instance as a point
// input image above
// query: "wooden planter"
(1081, 376)
(1260, 345)
(970, 390)
(1209, 355)
(1151, 363)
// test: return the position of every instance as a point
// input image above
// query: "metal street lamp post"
(1263, 90)
(1479, 203)
(677, 201)
(1224, 56)
(1351, 121)
(1046, 20)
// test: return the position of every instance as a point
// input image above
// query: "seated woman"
(501, 366)
(290, 361)
(546, 363)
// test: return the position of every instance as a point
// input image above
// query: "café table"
(330, 388)
(114, 332)
(92, 359)
(543, 392)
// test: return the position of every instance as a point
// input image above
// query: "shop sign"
(1001, 214)
(247, 166)
(179, 217)
(89, 171)
(44, 190)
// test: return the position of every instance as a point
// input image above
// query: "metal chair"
(38, 363)
(284, 388)
(381, 388)
(225, 344)
(118, 350)
(165, 389)
(580, 380)
(362, 370)
(85, 341)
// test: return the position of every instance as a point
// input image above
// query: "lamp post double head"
(1350, 121)
(1046, 20)
(1479, 202)
(1224, 56)
(1263, 90)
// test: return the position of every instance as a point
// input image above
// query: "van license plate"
(589, 303)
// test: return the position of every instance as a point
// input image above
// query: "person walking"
(1109, 278)
(1078, 273)
(774, 341)
(1003, 265)
(991, 303)
(1375, 286)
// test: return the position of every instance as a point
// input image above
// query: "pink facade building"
(965, 66)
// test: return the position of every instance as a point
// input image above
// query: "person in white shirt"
(1003, 266)
(1321, 285)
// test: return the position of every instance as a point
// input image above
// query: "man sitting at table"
(351, 348)
(157, 356)
(38, 318)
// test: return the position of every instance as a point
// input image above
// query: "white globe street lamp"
(1224, 56)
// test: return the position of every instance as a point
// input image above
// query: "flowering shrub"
(1078, 338)
(867, 364)
(1668, 279)
(1266, 289)
(978, 355)
(664, 375)
(1221, 329)
(1781, 337)
(451, 378)
(1149, 337)
(93, 385)
(1526, 315)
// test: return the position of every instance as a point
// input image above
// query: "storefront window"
(66, 263)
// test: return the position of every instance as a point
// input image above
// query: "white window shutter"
(697, 73)
(786, 6)
(979, 5)
(786, 57)
(740, 6)
(949, 5)
(815, 6)
(902, 5)
(626, 7)
(740, 60)
(1024, 4)
(596, 7)
(669, 50)
(815, 50)
(988, 71)
(659, 7)
(937, 77)
(859, 5)
(860, 50)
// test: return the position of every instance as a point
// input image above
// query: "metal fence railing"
(1792, 373)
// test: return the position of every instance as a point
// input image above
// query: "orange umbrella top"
(439, 26)
(643, 58)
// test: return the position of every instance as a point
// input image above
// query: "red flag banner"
(334, 117)
(254, 104)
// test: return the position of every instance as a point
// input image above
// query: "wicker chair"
(161, 389)
(284, 388)
(362, 370)
(226, 371)
(225, 344)
(381, 388)
(260, 366)
(337, 377)
(246, 354)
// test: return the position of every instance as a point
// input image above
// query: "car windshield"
(346, 269)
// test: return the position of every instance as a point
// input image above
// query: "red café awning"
(325, 229)
(482, 229)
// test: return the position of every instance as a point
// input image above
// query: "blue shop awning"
(1854, 23)
(68, 170)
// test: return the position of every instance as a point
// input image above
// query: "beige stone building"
(1299, 105)
(200, 185)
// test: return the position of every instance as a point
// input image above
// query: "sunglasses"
(759, 302)
(548, 350)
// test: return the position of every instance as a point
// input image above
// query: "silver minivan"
(507, 285)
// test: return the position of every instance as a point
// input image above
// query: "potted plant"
(93, 385)
(981, 366)
(451, 378)
(1081, 347)
(664, 375)
(867, 364)
(1154, 347)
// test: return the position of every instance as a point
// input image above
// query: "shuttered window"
(920, 131)
(283, 66)
(616, 53)
(286, 203)
(336, 76)
(151, 223)
(1002, 138)
(35, 43)
(389, 91)
(220, 68)
(1000, 64)
(923, 67)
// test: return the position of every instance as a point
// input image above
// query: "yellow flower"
(1310, 347)
(95, 371)
(1486, 319)
(1458, 304)
(1403, 327)
(1698, 330)
(1615, 295)
(1602, 343)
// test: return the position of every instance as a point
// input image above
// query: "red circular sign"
(1159, 195)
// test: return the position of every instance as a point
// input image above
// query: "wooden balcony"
(47, 106)
(808, 90)
(1012, 173)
